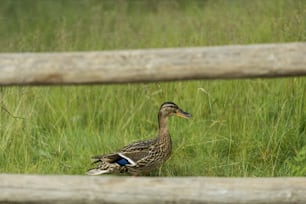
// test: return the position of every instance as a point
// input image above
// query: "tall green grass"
(239, 127)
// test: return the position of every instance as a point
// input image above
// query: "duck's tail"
(97, 171)
(101, 168)
(112, 163)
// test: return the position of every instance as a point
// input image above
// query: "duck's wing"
(128, 155)
(138, 150)
(138, 146)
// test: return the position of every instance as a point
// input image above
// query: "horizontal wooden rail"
(108, 189)
(239, 61)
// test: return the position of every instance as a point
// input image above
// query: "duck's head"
(170, 108)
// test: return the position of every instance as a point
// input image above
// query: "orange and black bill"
(183, 114)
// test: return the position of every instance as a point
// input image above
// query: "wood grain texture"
(109, 189)
(222, 62)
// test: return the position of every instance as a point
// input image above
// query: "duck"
(141, 157)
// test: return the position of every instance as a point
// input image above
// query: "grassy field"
(239, 128)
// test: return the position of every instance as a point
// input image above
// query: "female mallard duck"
(141, 157)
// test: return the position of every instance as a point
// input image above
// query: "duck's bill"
(183, 114)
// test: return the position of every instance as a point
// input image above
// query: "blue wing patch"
(122, 162)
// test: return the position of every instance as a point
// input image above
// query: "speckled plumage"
(143, 156)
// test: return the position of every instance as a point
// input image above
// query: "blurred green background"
(254, 127)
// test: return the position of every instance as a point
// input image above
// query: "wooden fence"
(147, 190)
(270, 60)
(267, 60)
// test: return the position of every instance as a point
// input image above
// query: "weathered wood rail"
(221, 62)
(146, 190)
